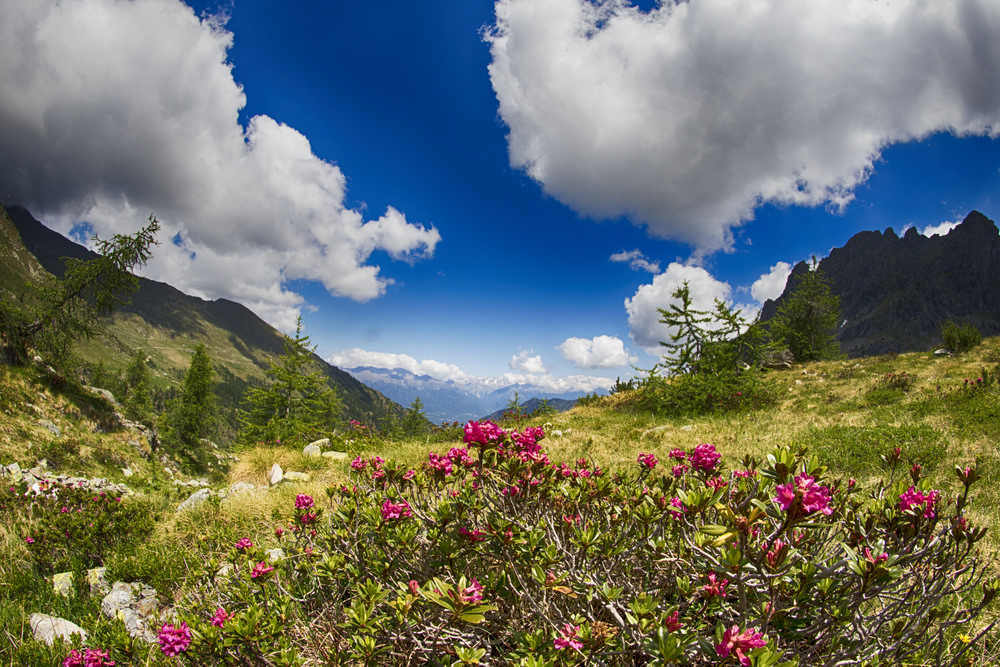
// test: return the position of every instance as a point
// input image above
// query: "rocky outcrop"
(896, 293)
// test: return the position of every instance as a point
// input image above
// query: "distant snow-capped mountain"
(448, 400)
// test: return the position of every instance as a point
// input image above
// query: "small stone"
(62, 583)
(322, 443)
(195, 499)
(275, 475)
(298, 476)
(312, 450)
(274, 555)
(336, 456)
(127, 472)
(53, 429)
(46, 628)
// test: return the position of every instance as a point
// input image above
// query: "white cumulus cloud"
(941, 229)
(527, 362)
(688, 117)
(355, 357)
(597, 352)
(771, 284)
(110, 109)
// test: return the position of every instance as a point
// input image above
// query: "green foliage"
(191, 417)
(138, 390)
(518, 561)
(960, 338)
(415, 422)
(861, 450)
(712, 362)
(74, 527)
(296, 403)
(68, 309)
(807, 319)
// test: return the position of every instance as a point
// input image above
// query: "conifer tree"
(191, 417)
(138, 401)
(415, 420)
(296, 403)
(806, 321)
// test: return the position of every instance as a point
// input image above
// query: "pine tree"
(295, 403)
(415, 420)
(806, 321)
(139, 390)
(191, 417)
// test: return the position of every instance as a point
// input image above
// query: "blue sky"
(531, 178)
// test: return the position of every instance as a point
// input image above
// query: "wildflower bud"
(915, 472)
(896, 453)
(414, 587)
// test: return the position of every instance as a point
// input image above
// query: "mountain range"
(896, 292)
(450, 400)
(167, 324)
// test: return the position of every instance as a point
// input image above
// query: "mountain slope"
(167, 324)
(895, 293)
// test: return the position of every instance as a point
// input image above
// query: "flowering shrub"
(72, 526)
(508, 558)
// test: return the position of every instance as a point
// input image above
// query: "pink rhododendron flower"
(260, 569)
(672, 623)
(679, 470)
(914, 498)
(704, 457)
(648, 460)
(244, 544)
(174, 639)
(568, 638)
(303, 502)
(733, 641)
(472, 593)
(439, 464)
(90, 657)
(678, 454)
(679, 512)
(392, 511)
(474, 535)
(358, 464)
(220, 617)
(414, 587)
(483, 433)
(815, 498)
(716, 483)
(714, 587)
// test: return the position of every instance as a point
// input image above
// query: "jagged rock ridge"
(896, 293)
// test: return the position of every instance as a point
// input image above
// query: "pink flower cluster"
(484, 434)
(91, 657)
(439, 464)
(471, 594)
(648, 460)
(303, 502)
(244, 544)
(260, 569)
(912, 498)
(393, 511)
(815, 498)
(174, 639)
(220, 618)
(715, 587)
(568, 638)
(473, 535)
(704, 457)
(734, 641)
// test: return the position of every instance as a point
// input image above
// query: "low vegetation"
(849, 519)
